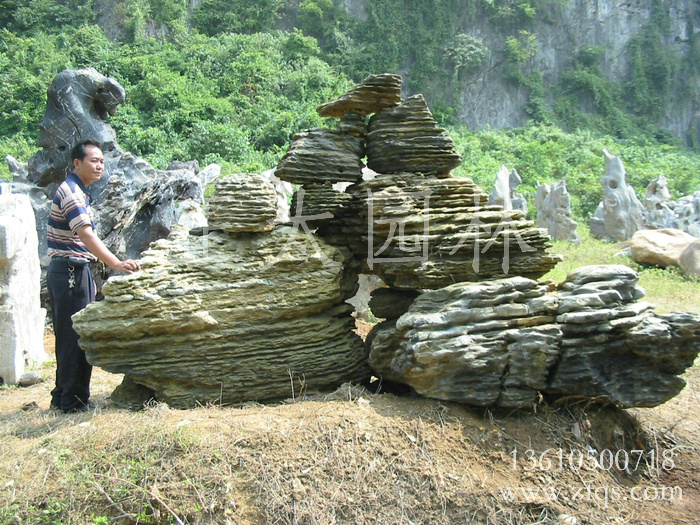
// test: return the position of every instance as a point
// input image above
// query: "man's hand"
(127, 266)
(99, 250)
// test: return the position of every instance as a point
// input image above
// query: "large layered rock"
(620, 214)
(377, 92)
(223, 319)
(554, 212)
(419, 232)
(21, 315)
(503, 342)
(243, 203)
(407, 139)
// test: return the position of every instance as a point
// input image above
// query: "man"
(72, 246)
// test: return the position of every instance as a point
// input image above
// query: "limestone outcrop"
(224, 319)
(554, 212)
(21, 315)
(500, 343)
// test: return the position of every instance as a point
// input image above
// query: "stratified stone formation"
(243, 203)
(407, 138)
(242, 314)
(419, 232)
(322, 155)
(224, 319)
(377, 92)
(500, 343)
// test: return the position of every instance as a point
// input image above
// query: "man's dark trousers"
(73, 372)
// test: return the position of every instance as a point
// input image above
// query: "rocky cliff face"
(486, 99)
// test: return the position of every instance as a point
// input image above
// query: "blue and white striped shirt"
(70, 211)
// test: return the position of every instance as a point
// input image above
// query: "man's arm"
(99, 250)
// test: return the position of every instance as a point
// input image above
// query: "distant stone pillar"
(620, 214)
(503, 193)
(21, 316)
(554, 212)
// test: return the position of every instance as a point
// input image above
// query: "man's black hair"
(79, 151)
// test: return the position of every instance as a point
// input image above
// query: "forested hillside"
(230, 81)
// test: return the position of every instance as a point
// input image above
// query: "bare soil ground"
(347, 457)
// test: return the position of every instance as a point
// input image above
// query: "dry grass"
(346, 457)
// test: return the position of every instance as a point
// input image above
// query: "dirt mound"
(347, 457)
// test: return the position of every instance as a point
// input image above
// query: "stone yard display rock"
(241, 315)
(21, 315)
(224, 319)
(256, 212)
(502, 342)
(659, 247)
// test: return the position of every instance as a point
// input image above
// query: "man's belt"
(73, 261)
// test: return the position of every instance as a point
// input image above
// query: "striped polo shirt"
(70, 211)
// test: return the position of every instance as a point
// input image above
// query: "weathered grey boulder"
(377, 92)
(317, 156)
(554, 212)
(407, 139)
(689, 261)
(419, 232)
(659, 247)
(218, 318)
(502, 342)
(503, 193)
(78, 104)
(21, 315)
(243, 202)
(620, 214)
(134, 203)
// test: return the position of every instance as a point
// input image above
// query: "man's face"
(90, 169)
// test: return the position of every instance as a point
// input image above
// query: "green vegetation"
(545, 153)
(232, 81)
(667, 288)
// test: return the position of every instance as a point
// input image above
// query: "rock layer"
(317, 156)
(243, 203)
(503, 342)
(217, 319)
(407, 138)
(419, 232)
(377, 92)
